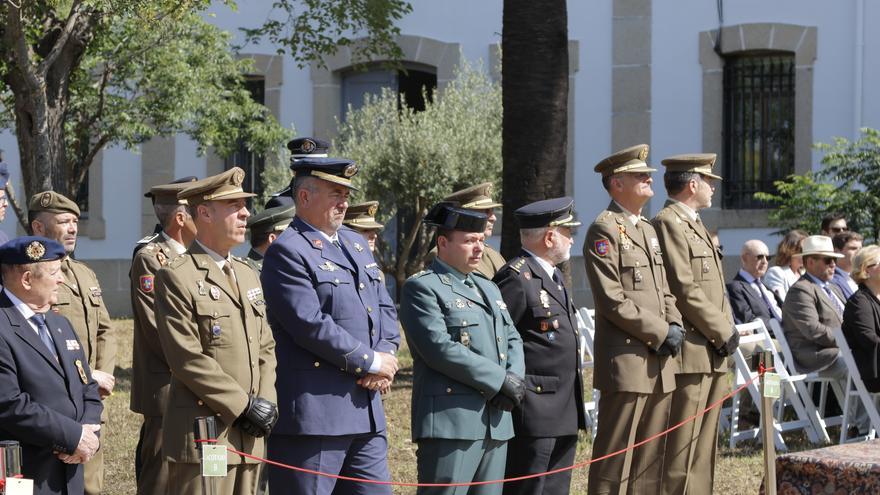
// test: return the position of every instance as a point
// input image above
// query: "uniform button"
(215, 314)
(549, 313)
(317, 364)
(336, 281)
(538, 389)
(253, 364)
(201, 403)
(712, 340)
(366, 356)
(627, 341)
(638, 263)
(358, 370)
(361, 286)
(649, 343)
(373, 333)
(498, 339)
(501, 355)
(250, 339)
(448, 390)
(369, 309)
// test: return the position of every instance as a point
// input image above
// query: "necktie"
(230, 277)
(347, 256)
(40, 321)
(771, 305)
(834, 300)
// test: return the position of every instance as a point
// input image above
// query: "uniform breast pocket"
(633, 270)
(702, 260)
(332, 288)
(546, 319)
(215, 324)
(461, 327)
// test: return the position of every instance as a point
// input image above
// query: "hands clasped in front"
(511, 394)
(258, 417)
(381, 380)
(87, 447)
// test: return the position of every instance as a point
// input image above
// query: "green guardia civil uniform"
(463, 342)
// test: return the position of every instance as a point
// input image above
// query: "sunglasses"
(828, 260)
(764, 257)
(839, 230)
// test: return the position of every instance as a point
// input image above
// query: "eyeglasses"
(763, 257)
(829, 260)
(838, 230)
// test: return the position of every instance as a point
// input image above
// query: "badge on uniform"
(624, 239)
(655, 245)
(201, 286)
(551, 336)
(146, 283)
(556, 324)
(545, 298)
(501, 304)
(545, 325)
(327, 267)
(528, 275)
(601, 247)
(254, 293)
(81, 370)
(161, 257)
(215, 330)
(72, 344)
(459, 304)
(465, 339)
(215, 293)
(638, 276)
(95, 291)
(705, 266)
(318, 243)
(358, 247)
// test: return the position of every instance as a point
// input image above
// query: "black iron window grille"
(253, 164)
(759, 91)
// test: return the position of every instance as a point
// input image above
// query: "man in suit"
(265, 227)
(216, 341)
(79, 300)
(150, 373)
(749, 297)
(50, 402)
(638, 330)
(337, 335)
(847, 244)
(552, 412)
(467, 360)
(477, 198)
(696, 280)
(362, 218)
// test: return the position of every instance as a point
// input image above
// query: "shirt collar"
(329, 238)
(22, 308)
(690, 212)
(748, 276)
(632, 217)
(820, 283)
(549, 268)
(177, 247)
(220, 260)
(452, 271)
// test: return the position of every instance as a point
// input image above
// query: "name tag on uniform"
(72, 345)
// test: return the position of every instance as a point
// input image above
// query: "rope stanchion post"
(767, 424)
(205, 429)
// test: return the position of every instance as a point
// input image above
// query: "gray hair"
(165, 212)
(533, 235)
(306, 182)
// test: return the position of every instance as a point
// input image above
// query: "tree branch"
(19, 212)
(21, 50)
(61, 42)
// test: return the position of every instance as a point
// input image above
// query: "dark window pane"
(758, 125)
(252, 163)
(410, 84)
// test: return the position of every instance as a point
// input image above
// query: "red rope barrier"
(761, 371)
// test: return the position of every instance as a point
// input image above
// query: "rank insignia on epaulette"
(517, 265)
(601, 247)
(327, 266)
(146, 283)
(318, 243)
(374, 265)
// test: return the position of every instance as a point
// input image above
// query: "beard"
(559, 254)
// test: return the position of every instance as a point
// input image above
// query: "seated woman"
(861, 319)
(789, 264)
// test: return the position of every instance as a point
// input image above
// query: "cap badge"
(45, 199)
(35, 251)
(350, 170)
(643, 154)
(372, 210)
(308, 146)
(238, 177)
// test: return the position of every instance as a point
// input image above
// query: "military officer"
(150, 373)
(696, 280)
(337, 335)
(50, 403)
(79, 300)
(478, 198)
(467, 360)
(216, 341)
(362, 218)
(638, 330)
(302, 147)
(265, 227)
(160, 201)
(552, 412)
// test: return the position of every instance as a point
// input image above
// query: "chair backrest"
(762, 336)
(846, 354)
(787, 356)
(588, 329)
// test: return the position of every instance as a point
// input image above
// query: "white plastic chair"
(855, 389)
(587, 331)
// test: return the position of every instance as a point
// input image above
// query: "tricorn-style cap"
(818, 245)
(555, 212)
(31, 249)
(271, 219)
(166, 194)
(220, 187)
(305, 147)
(628, 160)
(477, 197)
(698, 163)
(336, 170)
(448, 216)
(362, 216)
(52, 202)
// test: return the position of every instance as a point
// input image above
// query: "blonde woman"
(789, 264)
(861, 318)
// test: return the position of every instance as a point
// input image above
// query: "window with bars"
(758, 138)
(252, 163)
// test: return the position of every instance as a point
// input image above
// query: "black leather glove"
(258, 417)
(512, 392)
(672, 344)
(730, 346)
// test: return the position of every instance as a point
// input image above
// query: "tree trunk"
(534, 71)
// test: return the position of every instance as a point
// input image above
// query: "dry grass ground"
(739, 471)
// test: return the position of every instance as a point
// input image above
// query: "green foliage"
(410, 160)
(310, 29)
(847, 183)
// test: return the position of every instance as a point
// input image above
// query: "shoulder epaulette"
(517, 264)
(419, 274)
(148, 239)
(604, 216)
(177, 261)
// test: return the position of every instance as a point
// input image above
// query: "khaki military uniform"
(220, 350)
(255, 260)
(80, 301)
(696, 280)
(634, 309)
(490, 263)
(151, 376)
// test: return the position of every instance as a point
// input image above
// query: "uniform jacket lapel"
(547, 282)
(635, 235)
(823, 296)
(213, 273)
(25, 332)
(457, 286)
(317, 240)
